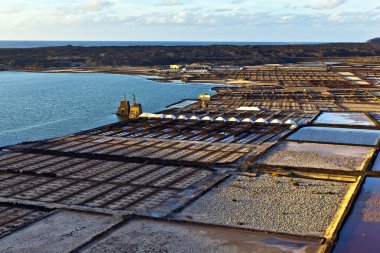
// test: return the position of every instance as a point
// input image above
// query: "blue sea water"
(36, 106)
(32, 44)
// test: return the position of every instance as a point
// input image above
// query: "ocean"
(37, 106)
(33, 44)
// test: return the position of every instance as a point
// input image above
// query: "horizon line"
(205, 41)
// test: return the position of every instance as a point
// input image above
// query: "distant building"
(174, 66)
(168, 70)
(195, 66)
(124, 108)
(136, 109)
(127, 111)
(204, 98)
(195, 71)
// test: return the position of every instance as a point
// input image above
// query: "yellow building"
(127, 111)
(174, 66)
(124, 108)
(135, 110)
(203, 98)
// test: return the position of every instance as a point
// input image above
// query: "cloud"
(96, 4)
(195, 8)
(211, 19)
(237, 1)
(13, 9)
(170, 3)
(337, 17)
(88, 6)
(327, 4)
(86, 18)
(223, 10)
(286, 18)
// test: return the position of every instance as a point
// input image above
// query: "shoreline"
(144, 72)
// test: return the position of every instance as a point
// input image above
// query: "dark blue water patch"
(376, 164)
(33, 44)
(36, 106)
(361, 231)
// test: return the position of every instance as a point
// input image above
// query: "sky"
(191, 20)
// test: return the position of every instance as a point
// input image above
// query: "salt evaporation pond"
(361, 231)
(344, 118)
(181, 237)
(316, 155)
(376, 165)
(337, 135)
(182, 104)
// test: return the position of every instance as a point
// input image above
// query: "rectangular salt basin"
(143, 235)
(337, 135)
(61, 232)
(375, 107)
(315, 155)
(344, 118)
(376, 116)
(360, 232)
(376, 165)
(278, 204)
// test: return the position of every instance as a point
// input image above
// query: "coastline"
(144, 72)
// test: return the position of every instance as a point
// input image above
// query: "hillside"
(374, 40)
(69, 56)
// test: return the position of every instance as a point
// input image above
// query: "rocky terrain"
(71, 57)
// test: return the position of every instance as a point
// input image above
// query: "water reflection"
(361, 231)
